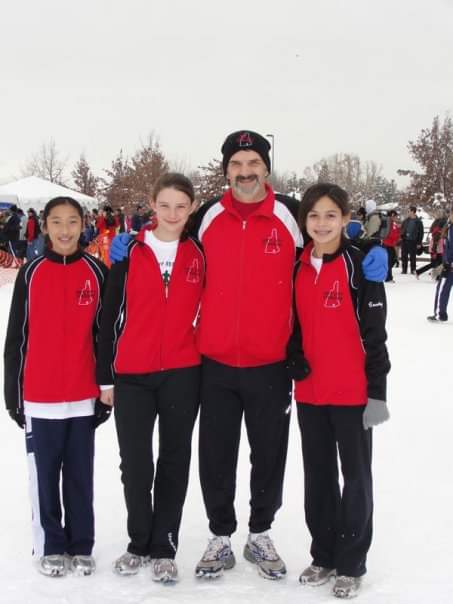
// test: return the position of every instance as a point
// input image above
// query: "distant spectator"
(436, 243)
(411, 240)
(137, 219)
(32, 233)
(391, 241)
(445, 283)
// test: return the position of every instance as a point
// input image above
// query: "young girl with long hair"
(50, 387)
(340, 363)
(148, 353)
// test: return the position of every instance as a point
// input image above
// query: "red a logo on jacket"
(272, 243)
(333, 297)
(86, 294)
(193, 272)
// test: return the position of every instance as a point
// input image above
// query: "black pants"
(340, 523)
(408, 251)
(263, 396)
(173, 395)
(391, 262)
(435, 262)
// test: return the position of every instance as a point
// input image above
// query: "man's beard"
(246, 191)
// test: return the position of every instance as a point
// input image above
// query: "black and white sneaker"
(346, 587)
(435, 319)
(261, 551)
(217, 558)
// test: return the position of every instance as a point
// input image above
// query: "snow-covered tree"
(84, 179)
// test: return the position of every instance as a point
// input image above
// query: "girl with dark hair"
(339, 361)
(147, 351)
(50, 387)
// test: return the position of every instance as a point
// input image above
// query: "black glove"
(101, 413)
(297, 366)
(18, 416)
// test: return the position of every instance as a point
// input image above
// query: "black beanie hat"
(245, 140)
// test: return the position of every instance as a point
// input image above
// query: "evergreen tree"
(85, 181)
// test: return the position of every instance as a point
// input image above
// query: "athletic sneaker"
(434, 319)
(82, 565)
(316, 575)
(346, 587)
(261, 551)
(217, 558)
(130, 564)
(53, 566)
(164, 570)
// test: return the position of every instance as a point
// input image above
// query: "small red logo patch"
(245, 140)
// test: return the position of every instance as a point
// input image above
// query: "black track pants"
(173, 395)
(263, 396)
(340, 523)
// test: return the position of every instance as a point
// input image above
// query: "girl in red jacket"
(147, 350)
(50, 387)
(341, 329)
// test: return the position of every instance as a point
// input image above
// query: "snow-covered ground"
(411, 560)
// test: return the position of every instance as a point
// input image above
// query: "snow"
(411, 558)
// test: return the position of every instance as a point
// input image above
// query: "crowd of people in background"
(21, 232)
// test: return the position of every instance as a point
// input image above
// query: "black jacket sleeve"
(372, 311)
(16, 344)
(296, 363)
(112, 320)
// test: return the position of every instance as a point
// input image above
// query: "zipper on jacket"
(238, 321)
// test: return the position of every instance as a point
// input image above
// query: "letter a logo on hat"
(245, 140)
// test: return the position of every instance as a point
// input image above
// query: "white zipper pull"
(244, 224)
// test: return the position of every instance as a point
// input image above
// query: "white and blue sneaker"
(260, 550)
(217, 558)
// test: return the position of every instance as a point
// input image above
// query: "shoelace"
(214, 547)
(267, 547)
(346, 579)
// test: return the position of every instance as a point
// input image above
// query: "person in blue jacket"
(446, 278)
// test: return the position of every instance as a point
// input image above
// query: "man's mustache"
(246, 178)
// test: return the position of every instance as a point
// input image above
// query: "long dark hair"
(179, 182)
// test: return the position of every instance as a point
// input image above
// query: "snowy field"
(411, 560)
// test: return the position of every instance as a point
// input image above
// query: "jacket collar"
(306, 254)
(58, 258)
(265, 209)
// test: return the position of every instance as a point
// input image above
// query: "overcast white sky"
(324, 76)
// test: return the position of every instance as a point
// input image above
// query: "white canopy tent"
(34, 192)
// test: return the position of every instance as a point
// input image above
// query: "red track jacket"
(142, 329)
(49, 348)
(342, 330)
(246, 314)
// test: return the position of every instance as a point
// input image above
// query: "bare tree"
(47, 163)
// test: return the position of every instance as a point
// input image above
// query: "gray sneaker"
(82, 565)
(53, 566)
(217, 558)
(130, 564)
(261, 551)
(316, 575)
(346, 587)
(164, 570)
